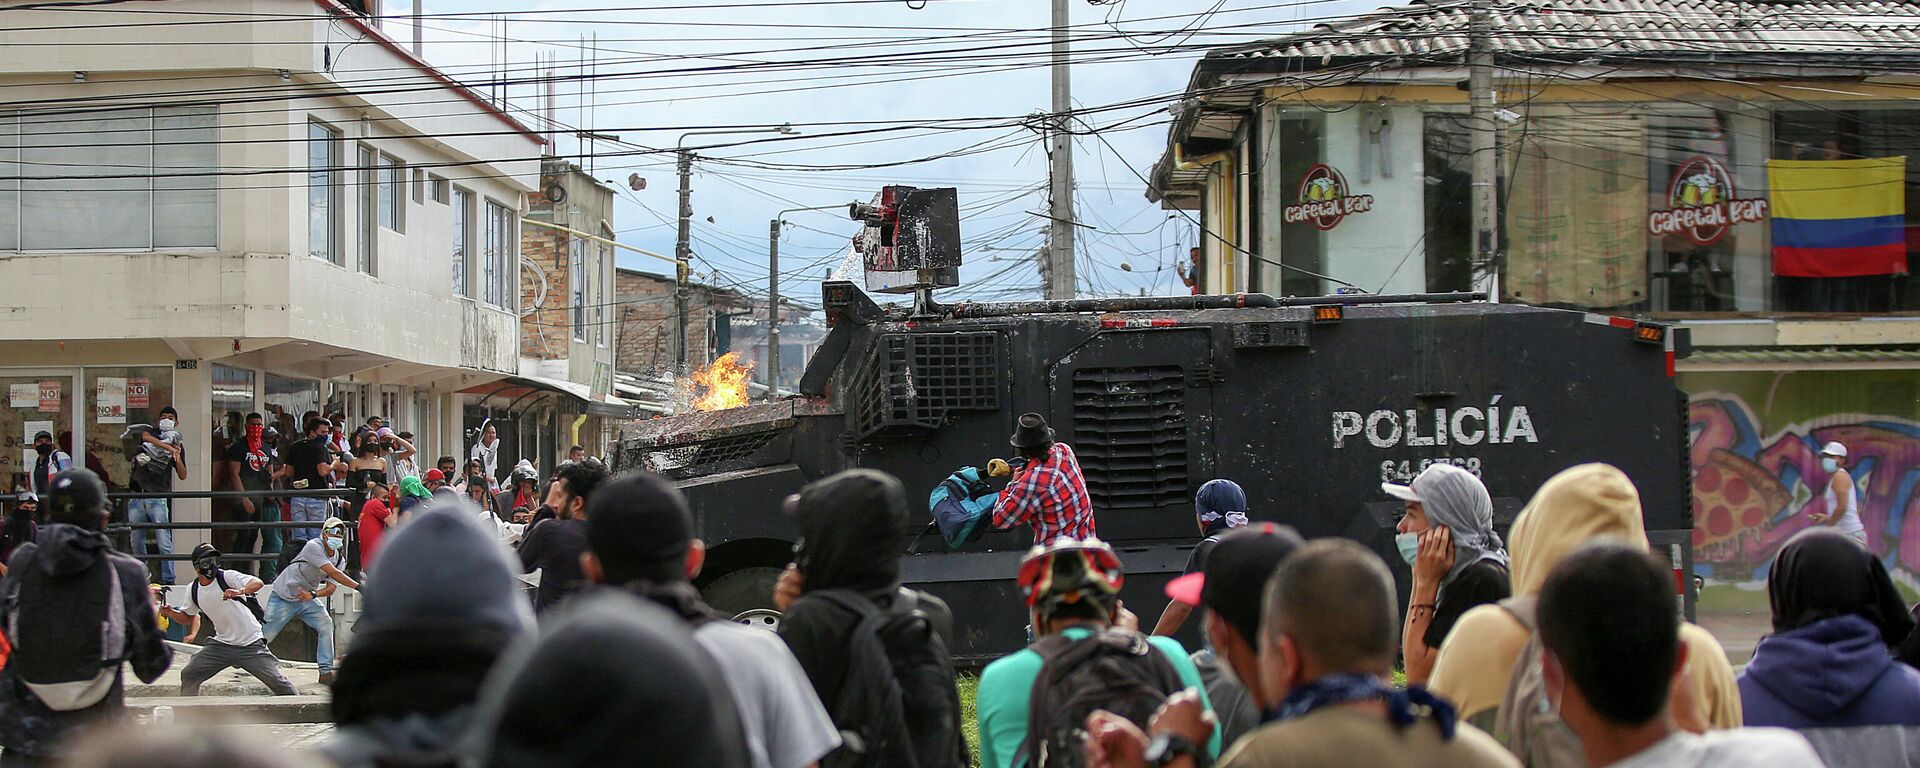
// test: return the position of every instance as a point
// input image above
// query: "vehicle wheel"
(742, 590)
(760, 618)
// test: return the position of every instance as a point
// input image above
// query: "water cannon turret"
(911, 239)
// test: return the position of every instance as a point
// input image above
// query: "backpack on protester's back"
(899, 689)
(69, 633)
(1525, 721)
(1112, 669)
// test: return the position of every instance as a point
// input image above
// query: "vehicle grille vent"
(1130, 434)
(704, 457)
(915, 380)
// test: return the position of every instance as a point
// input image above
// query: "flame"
(722, 384)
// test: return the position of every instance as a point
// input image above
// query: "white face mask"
(1829, 464)
(166, 425)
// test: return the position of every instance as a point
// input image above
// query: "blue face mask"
(1830, 464)
(1409, 546)
(336, 542)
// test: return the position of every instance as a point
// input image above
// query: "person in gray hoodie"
(439, 613)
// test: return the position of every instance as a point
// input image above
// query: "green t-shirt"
(1006, 684)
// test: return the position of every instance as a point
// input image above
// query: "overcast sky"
(949, 59)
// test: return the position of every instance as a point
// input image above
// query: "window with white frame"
(462, 239)
(369, 188)
(140, 178)
(393, 194)
(501, 246)
(437, 186)
(419, 186)
(323, 192)
(577, 285)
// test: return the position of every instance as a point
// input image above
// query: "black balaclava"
(1822, 573)
(616, 680)
(851, 528)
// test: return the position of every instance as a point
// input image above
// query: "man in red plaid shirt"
(1049, 491)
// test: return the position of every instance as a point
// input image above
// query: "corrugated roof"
(1846, 36)
(1775, 31)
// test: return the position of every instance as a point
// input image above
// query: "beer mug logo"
(1701, 182)
(1324, 199)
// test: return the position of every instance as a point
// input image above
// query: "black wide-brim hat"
(1031, 432)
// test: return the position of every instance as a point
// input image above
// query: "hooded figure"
(1456, 499)
(1577, 506)
(1827, 670)
(444, 606)
(582, 695)
(55, 595)
(851, 529)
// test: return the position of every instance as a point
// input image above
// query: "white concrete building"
(275, 208)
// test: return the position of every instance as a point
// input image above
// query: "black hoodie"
(852, 529)
(27, 726)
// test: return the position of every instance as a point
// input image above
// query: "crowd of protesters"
(1558, 646)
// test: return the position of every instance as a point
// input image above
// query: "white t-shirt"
(785, 724)
(233, 624)
(1737, 748)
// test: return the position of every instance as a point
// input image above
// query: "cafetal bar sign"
(1701, 205)
(1325, 199)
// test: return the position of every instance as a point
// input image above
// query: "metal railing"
(122, 532)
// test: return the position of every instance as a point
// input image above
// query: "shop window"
(1298, 141)
(1449, 203)
(1866, 263)
(1575, 211)
(122, 396)
(287, 401)
(1707, 203)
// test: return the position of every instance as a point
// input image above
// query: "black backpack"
(220, 579)
(1112, 669)
(69, 634)
(898, 706)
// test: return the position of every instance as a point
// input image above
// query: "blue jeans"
(308, 511)
(312, 613)
(152, 511)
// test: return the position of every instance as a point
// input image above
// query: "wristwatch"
(1167, 746)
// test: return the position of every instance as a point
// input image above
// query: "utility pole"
(683, 246)
(773, 308)
(1485, 134)
(682, 254)
(1060, 278)
(773, 293)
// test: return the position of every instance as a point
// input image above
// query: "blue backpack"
(958, 504)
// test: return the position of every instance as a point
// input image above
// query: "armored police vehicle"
(1308, 403)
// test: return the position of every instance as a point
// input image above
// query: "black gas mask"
(206, 566)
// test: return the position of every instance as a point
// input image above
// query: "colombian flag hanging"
(1838, 218)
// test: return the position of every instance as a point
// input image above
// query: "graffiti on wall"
(1753, 490)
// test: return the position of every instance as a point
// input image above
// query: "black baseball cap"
(638, 518)
(1235, 578)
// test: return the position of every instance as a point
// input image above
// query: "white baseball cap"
(1835, 450)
